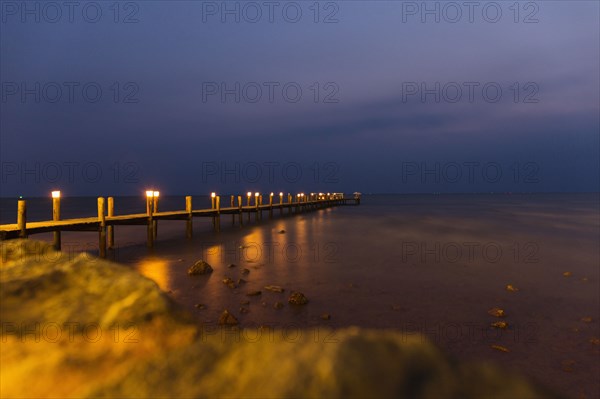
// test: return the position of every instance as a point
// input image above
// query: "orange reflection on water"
(156, 270)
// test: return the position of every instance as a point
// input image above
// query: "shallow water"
(429, 263)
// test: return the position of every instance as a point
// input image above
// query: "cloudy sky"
(108, 98)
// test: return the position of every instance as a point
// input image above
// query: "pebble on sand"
(200, 267)
(298, 298)
(253, 293)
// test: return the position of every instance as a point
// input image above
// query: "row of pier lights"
(258, 198)
(152, 197)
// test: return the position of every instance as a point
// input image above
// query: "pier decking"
(104, 222)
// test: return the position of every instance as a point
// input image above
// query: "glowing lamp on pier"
(156, 194)
(256, 194)
(55, 194)
(249, 194)
(281, 194)
(271, 194)
(213, 195)
(149, 194)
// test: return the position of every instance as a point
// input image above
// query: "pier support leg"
(101, 228)
(189, 228)
(110, 230)
(150, 224)
(56, 217)
(218, 218)
(22, 218)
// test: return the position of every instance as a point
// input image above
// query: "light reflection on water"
(156, 269)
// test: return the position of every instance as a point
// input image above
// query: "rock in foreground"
(133, 342)
(200, 267)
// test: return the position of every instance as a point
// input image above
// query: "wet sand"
(429, 264)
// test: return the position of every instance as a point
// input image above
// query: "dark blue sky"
(108, 98)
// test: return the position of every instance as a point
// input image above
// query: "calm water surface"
(433, 264)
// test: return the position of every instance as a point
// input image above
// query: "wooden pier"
(105, 221)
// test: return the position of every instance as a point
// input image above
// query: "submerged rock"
(229, 282)
(227, 319)
(253, 293)
(200, 267)
(297, 298)
(497, 312)
(274, 288)
(278, 305)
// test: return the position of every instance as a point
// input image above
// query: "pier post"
(256, 197)
(233, 214)
(56, 217)
(22, 218)
(102, 228)
(240, 210)
(110, 230)
(271, 206)
(155, 210)
(218, 207)
(289, 203)
(188, 208)
(150, 235)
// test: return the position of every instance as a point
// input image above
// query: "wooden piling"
(240, 203)
(189, 224)
(110, 230)
(22, 218)
(232, 204)
(56, 217)
(155, 210)
(150, 224)
(101, 228)
(218, 208)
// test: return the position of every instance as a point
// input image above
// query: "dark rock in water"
(281, 231)
(326, 316)
(200, 306)
(244, 310)
(274, 288)
(253, 293)
(229, 282)
(231, 265)
(245, 271)
(246, 302)
(124, 338)
(297, 298)
(200, 267)
(241, 281)
(278, 305)
(227, 319)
